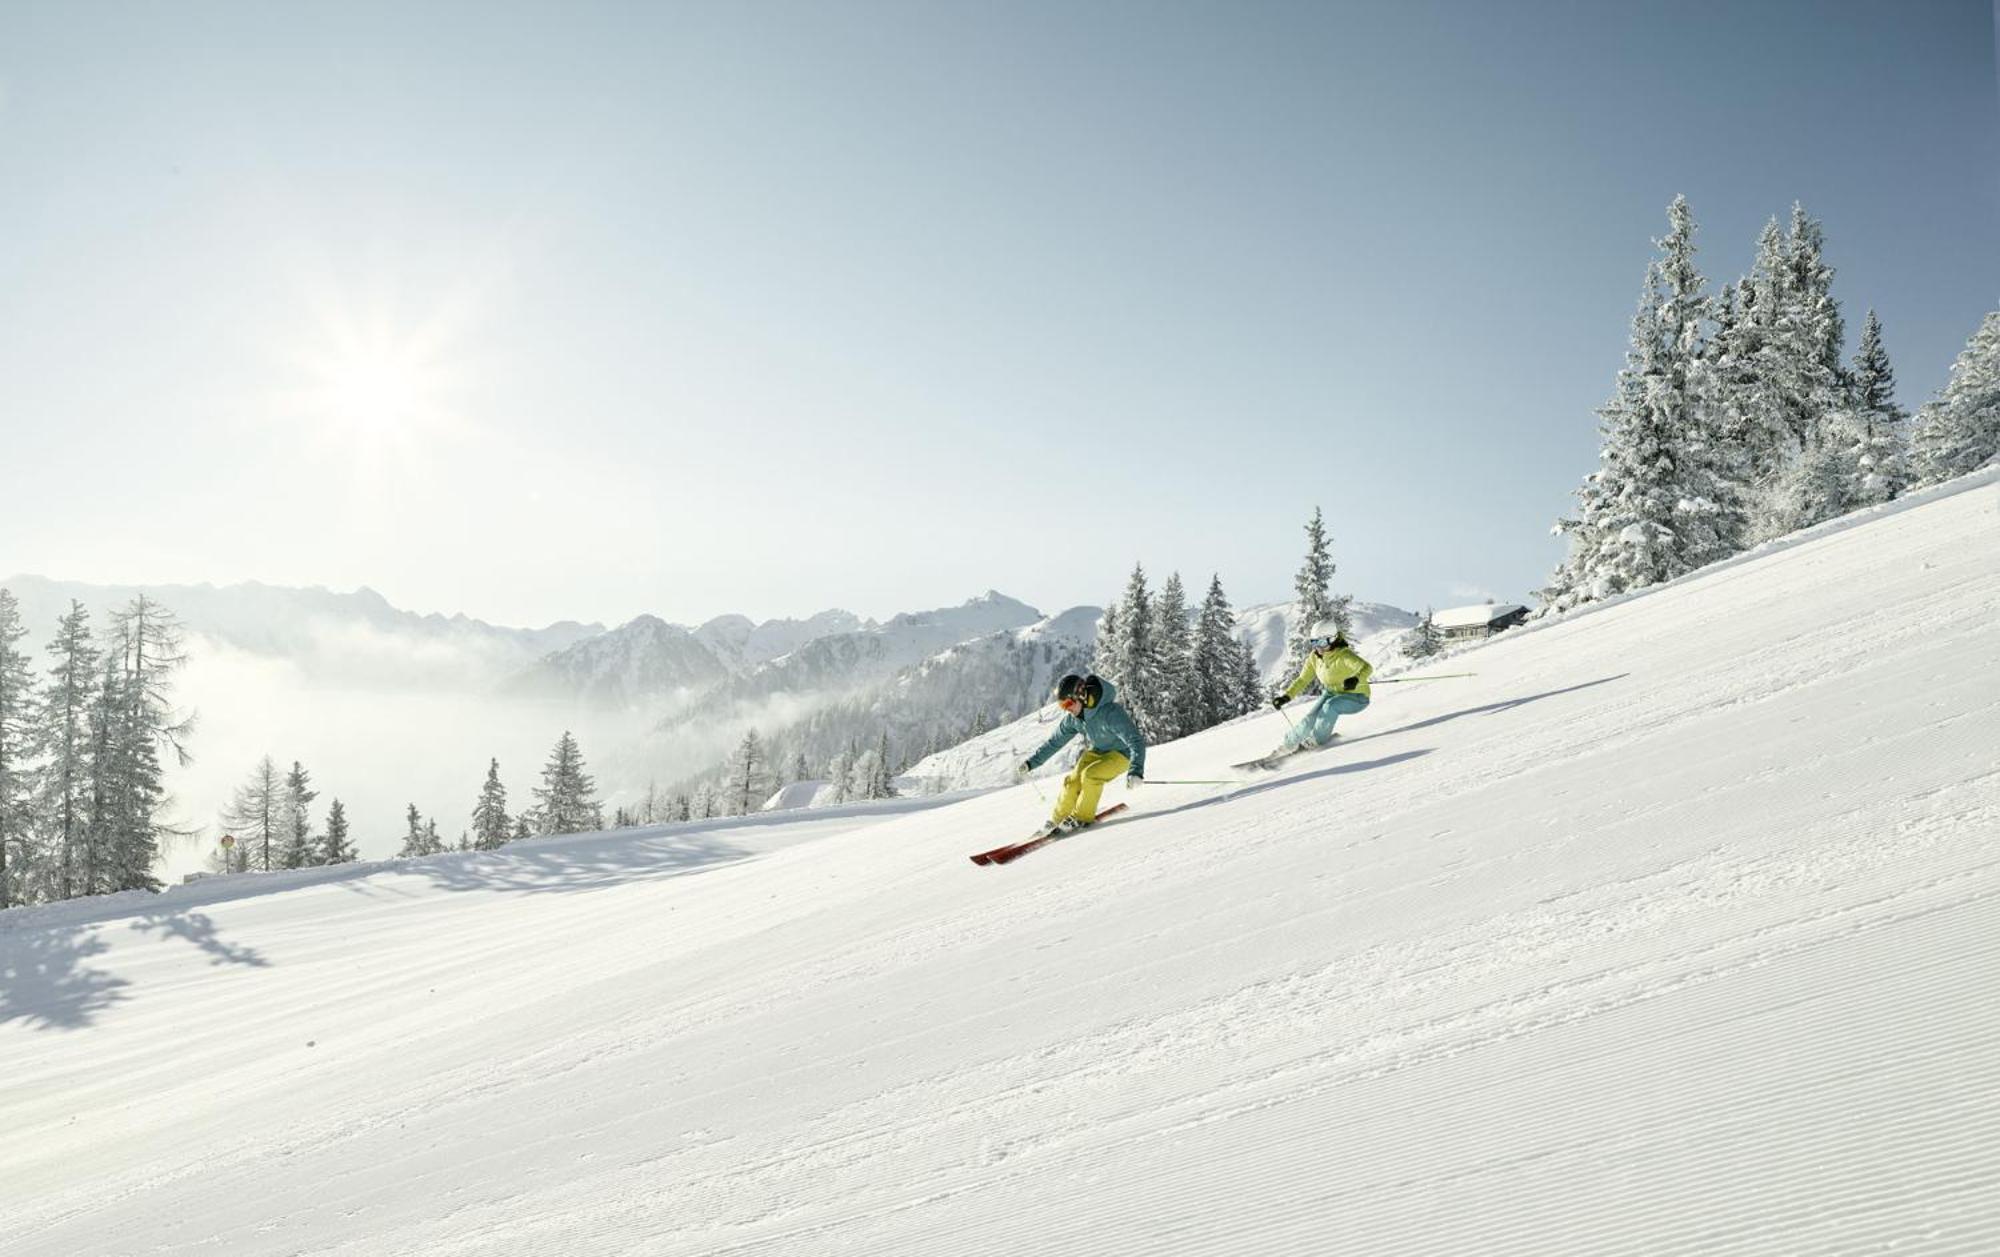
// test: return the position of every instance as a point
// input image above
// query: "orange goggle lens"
(1070, 705)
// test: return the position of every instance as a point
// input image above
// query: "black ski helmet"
(1085, 690)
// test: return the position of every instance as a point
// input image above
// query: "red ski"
(1015, 850)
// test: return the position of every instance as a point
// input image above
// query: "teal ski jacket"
(1105, 727)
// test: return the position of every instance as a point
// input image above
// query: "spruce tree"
(256, 816)
(139, 723)
(838, 770)
(747, 784)
(1250, 683)
(1177, 706)
(338, 849)
(1663, 500)
(18, 733)
(1105, 660)
(1958, 431)
(299, 850)
(1314, 587)
(566, 801)
(1216, 662)
(1424, 640)
(525, 828)
(414, 841)
(490, 826)
(1135, 650)
(1883, 461)
(882, 785)
(68, 699)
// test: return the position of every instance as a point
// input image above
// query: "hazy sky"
(577, 311)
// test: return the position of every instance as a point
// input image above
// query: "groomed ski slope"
(1676, 930)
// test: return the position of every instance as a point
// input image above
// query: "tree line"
(83, 752)
(1735, 420)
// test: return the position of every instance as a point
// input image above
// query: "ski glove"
(1350, 683)
(1133, 781)
(1278, 701)
(1021, 771)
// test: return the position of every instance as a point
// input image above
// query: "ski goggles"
(1074, 706)
(1321, 643)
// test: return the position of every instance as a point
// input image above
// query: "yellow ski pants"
(1094, 770)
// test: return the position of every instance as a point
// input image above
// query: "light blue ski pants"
(1317, 727)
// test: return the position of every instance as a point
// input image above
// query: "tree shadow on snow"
(44, 982)
(199, 929)
(568, 865)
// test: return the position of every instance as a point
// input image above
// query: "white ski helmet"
(1326, 635)
(1325, 628)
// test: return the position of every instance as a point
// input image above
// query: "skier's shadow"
(1505, 704)
(1275, 783)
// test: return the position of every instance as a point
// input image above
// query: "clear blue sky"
(577, 310)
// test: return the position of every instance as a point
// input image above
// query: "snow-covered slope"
(1671, 931)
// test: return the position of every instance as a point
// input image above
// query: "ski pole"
(1445, 676)
(1173, 781)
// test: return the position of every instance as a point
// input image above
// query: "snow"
(1669, 931)
(796, 795)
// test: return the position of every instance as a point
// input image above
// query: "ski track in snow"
(1671, 932)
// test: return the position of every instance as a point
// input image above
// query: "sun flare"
(373, 392)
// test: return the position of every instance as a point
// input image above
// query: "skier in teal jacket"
(1114, 745)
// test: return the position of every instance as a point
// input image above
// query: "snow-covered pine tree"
(882, 785)
(1314, 587)
(433, 844)
(1823, 481)
(299, 850)
(256, 816)
(1661, 502)
(1250, 692)
(19, 726)
(799, 770)
(1135, 652)
(748, 786)
(1215, 665)
(63, 805)
(525, 828)
(566, 801)
(1884, 426)
(413, 834)
(491, 827)
(1178, 707)
(1106, 659)
(1958, 431)
(338, 850)
(139, 722)
(1424, 640)
(838, 773)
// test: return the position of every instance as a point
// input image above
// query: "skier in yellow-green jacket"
(1340, 672)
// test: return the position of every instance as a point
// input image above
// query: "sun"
(375, 392)
(372, 384)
